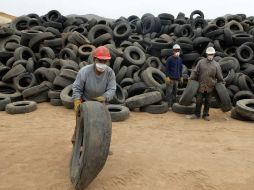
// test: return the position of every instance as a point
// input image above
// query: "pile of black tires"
(41, 55)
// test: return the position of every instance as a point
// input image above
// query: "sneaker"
(206, 118)
(193, 116)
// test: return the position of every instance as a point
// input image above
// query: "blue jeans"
(171, 90)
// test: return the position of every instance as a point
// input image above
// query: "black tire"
(54, 94)
(4, 102)
(23, 53)
(38, 89)
(68, 74)
(189, 93)
(245, 82)
(118, 112)
(245, 108)
(119, 97)
(9, 91)
(121, 74)
(158, 108)
(39, 98)
(97, 31)
(62, 82)
(131, 70)
(126, 82)
(153, 77)
(67, 53)
(137, 89)
(235, 115)
(143, 100)
(178, 108)
(24, 81)
(94, 129)
(66, 97)
(244, 94)
(15, 71)
(117, 64)
(134, 55)
(122, 31)
(154, 62)
(35, 41)
(244, 53)
(224, 97)
(21, 107)
(56, 102)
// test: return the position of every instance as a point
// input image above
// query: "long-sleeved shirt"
(207, 73)
(89, 85)
(174, 67)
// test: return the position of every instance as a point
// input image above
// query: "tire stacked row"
(40, 56)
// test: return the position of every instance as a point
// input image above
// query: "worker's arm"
(78, 86)
(111, 87)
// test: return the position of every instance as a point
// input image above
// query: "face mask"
(177, 54)
(101, 67)
(210, 57)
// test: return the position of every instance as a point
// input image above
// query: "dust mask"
(210, 57)
(101, 67)
(177, 54)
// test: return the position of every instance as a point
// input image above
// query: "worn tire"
(181, 109)
(118, 112)
(4, 102)
(158, 108)
(143, 100)
(94, 128)
(21, 107)
(189, 93)
(66, 97)
(224, 97)
(245, 108)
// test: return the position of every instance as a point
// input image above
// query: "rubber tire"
(181, 109)
(66, 97)
(56, 102)
(4, 102)
(159, 108)
(118, 112)
(224, 97)
(189, 93)
(94, 128)
(21, 107)
(143, 100)
(244, 110)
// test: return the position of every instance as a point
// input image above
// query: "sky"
(117, 8)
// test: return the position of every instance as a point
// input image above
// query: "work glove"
(167, 80)
(77, 103)
(100, 99)
(181, 81)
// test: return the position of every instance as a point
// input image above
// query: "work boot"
(206, 118)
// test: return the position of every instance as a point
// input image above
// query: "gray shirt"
(207, 73)
(89, 85)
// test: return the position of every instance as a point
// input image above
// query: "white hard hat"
(176, 46)
(210, 50)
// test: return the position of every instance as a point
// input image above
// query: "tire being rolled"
(93, 136)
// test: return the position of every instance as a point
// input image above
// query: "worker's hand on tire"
(100, 99)
(167, 80)
(77, 103)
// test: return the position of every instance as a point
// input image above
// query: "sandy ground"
(153, 152)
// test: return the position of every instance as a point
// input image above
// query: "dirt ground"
(150, 152)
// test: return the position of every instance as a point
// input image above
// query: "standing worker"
(207, 73)
(95, 81)
(174, 69)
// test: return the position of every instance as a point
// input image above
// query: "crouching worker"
(207, 73)
(94, 82)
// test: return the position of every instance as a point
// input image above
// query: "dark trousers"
(203, 98)
(171, 90)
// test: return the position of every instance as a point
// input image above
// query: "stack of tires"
(41, 55)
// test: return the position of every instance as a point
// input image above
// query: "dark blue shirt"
(174, 67)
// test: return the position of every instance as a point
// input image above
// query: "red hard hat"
(102, 53)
